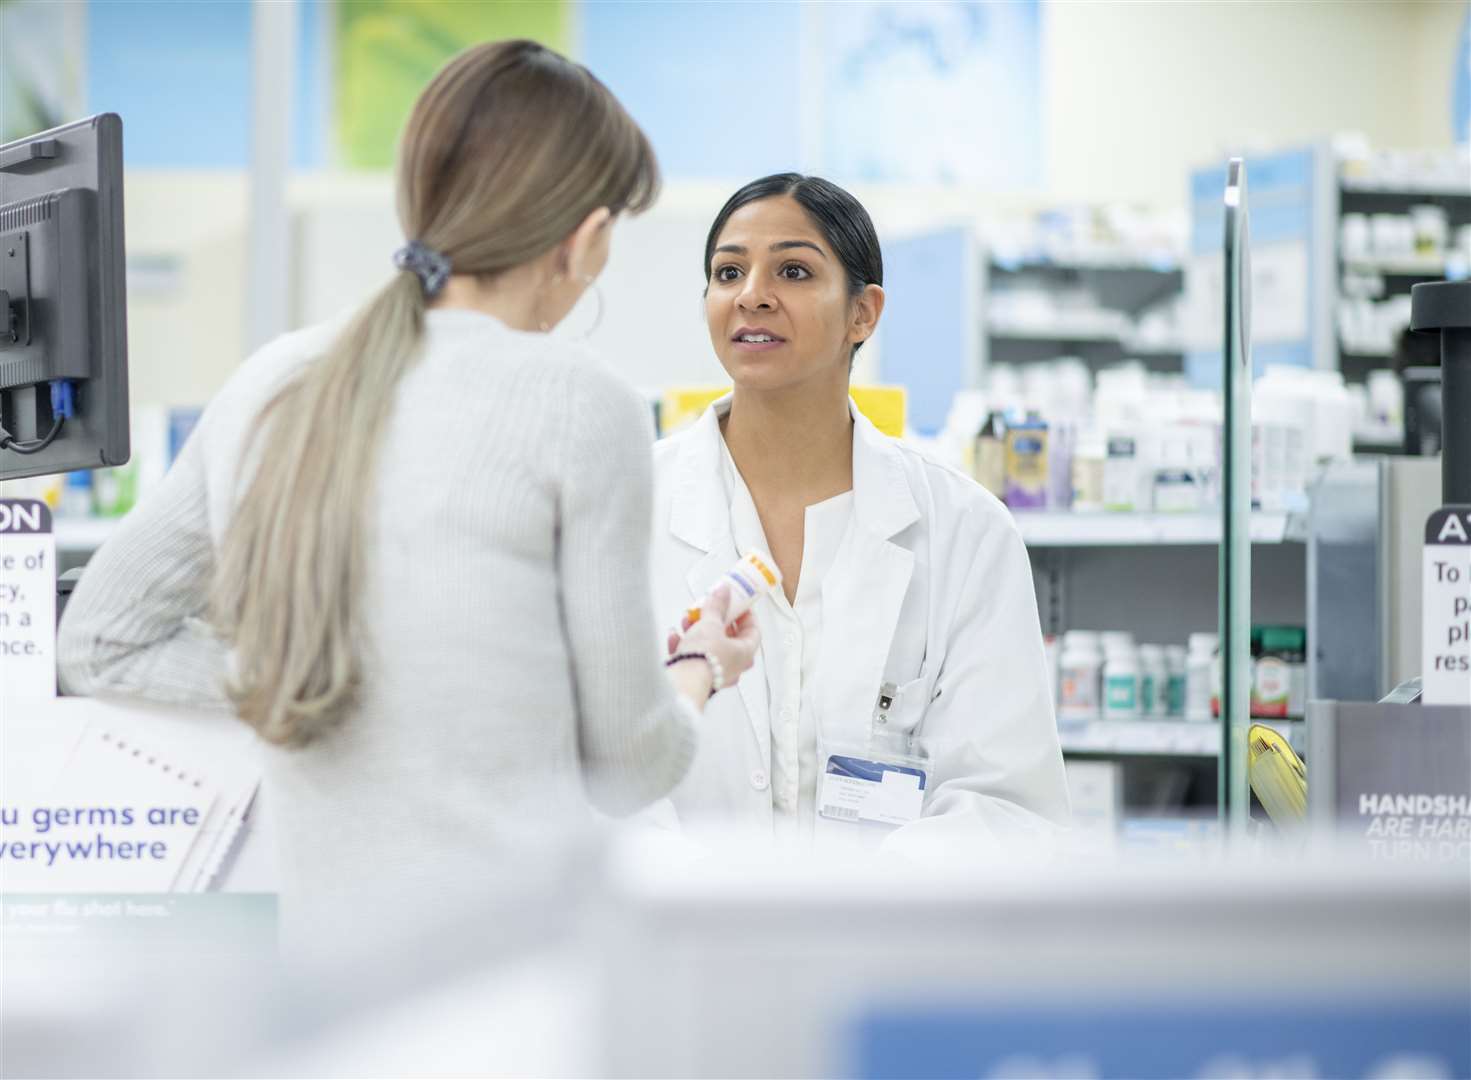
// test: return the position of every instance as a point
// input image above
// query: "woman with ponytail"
(411, 550)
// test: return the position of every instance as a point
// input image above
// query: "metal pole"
(273, 81)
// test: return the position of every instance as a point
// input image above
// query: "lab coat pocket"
(906, 709)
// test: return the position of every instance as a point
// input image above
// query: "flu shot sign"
(27, 601)
(1446, 643)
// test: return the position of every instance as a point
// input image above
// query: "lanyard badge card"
(882, 783)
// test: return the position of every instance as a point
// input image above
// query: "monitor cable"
(62, 406)
(30, 446)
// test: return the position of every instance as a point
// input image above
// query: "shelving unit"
(1091, 571)
(1425, 266)
(1064, 334)
(1121, 288)
(1387, 278)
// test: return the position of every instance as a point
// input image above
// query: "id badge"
(859, 789)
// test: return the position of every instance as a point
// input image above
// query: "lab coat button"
(791, 639)
(758, 780)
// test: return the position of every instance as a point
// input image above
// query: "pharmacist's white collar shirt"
(918, 578)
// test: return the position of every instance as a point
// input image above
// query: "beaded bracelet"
(717, 673)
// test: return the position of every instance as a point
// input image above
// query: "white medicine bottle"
(1200, 676)
(1153, 682)
(1121, 684)
(1079, 677)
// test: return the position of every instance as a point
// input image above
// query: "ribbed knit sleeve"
(135, 626)
(636, 734)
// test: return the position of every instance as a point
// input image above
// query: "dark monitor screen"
(63, 319)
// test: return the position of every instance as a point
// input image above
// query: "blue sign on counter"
(1399, 1039)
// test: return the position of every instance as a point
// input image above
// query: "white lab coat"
(931, 590)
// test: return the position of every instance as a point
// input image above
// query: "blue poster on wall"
(930, 93)
(1282, 208)
(180, 77)
(716, 86)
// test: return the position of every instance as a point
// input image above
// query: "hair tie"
(431, 268)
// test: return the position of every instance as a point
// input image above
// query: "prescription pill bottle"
(1200, 676)
(1079, 669)
(1178, 665)
(748, 580)
(1153, 679)
(1121, 685)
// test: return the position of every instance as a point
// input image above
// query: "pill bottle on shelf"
(1079, 681)
(1200, 666)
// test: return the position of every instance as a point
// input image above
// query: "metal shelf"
(1404, 266)
(1043, 528)
(1164, 738)
(1053, 333)
(1104, 264)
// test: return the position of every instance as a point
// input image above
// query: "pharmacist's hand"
(734, 646)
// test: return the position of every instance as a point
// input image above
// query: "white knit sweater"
(512, 673)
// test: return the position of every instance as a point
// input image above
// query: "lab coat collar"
(883, 504)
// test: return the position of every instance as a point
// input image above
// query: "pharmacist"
(900, 697)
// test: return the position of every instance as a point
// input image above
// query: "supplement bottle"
(1079, 671)
(1200, 665)
(1177, 665)
(1153, 682)
(1121, 684)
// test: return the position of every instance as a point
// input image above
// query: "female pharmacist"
(900, 693)
(411, 551)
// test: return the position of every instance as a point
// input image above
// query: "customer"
(906, 638)
(412, 551)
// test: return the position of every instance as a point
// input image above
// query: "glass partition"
(1235, 552)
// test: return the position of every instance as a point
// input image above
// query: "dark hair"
(843, 222)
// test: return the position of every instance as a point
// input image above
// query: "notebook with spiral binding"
(122, 817)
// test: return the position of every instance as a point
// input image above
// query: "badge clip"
(887, 692)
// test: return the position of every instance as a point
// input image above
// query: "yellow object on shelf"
(1277, 775)
(884, 406)
(682, 405)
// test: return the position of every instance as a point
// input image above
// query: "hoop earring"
(597, 319)
(542, 324)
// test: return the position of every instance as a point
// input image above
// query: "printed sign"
(1445, 646)
(27, 601)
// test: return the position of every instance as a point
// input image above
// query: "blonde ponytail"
(295, 560)
(508, 149)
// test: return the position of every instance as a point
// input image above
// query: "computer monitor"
(63, 318)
